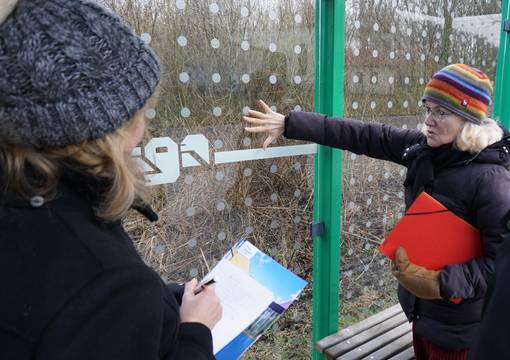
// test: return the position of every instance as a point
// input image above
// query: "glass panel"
(219, 57)
(392, 49)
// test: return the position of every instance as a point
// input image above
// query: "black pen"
(201, 287)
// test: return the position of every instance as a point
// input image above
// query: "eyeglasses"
(437, 115)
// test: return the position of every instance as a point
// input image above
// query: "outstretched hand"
(268, 122)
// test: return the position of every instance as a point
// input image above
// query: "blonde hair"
(104, 157)
(474, 138)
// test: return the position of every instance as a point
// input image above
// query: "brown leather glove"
(421, 282)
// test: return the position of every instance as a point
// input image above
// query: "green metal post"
(329, 93)
(502, 88)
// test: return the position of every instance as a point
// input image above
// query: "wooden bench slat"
(355, 329)
(405, 355)
(376, 343)
(394, 348)
(366, 336)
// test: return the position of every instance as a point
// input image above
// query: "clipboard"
(433, 236)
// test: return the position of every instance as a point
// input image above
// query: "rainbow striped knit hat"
(464, 90)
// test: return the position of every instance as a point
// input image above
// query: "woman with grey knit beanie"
(75, 83)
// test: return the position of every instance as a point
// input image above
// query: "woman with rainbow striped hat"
(460, 157)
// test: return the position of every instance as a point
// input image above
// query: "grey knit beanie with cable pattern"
(70, 70)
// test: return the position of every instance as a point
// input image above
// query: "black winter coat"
(477, 190)
(73, 287)
(492, 341)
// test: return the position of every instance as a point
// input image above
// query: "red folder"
(433, 236)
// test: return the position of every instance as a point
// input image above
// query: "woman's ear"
(6, 8)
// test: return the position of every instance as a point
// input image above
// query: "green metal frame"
(502, 107)
(329, 94)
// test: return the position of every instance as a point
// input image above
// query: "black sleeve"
(124, 314)
(492, 203)
(376, 140)
(492, 340)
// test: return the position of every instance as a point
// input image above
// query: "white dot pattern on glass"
(192, 243)
(190, 211)
(274, 197)
(248, 201)
(297, 166)
(298, 19)
(216, 78)
(220, 205)
(297, 108)
(297, 193)
(222, 236)
(245, 12)
(273, 15)
(376, 27)
(146, 38)
(355, 52)
(215, 43)
(216, 111)
(297, 219)
(188, 179)
(297, 79)
(248, 230)
(351, 205)
(273, 79)
(273, 168)
(375, 53)
(245, 45)
(247, 172)
(275, 224)
(245, 78)
(245, 110)
(185, 112)
(355, 105)
(150, 114)
(297, 49)
(214, 8)
(246, 141)
(272, 47)
(182, 41)
(184, 77)
(220, 175)
(181, 4)
(218, 144)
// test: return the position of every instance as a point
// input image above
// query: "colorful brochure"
(254, 291)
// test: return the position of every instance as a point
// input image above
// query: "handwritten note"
(243, 299)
